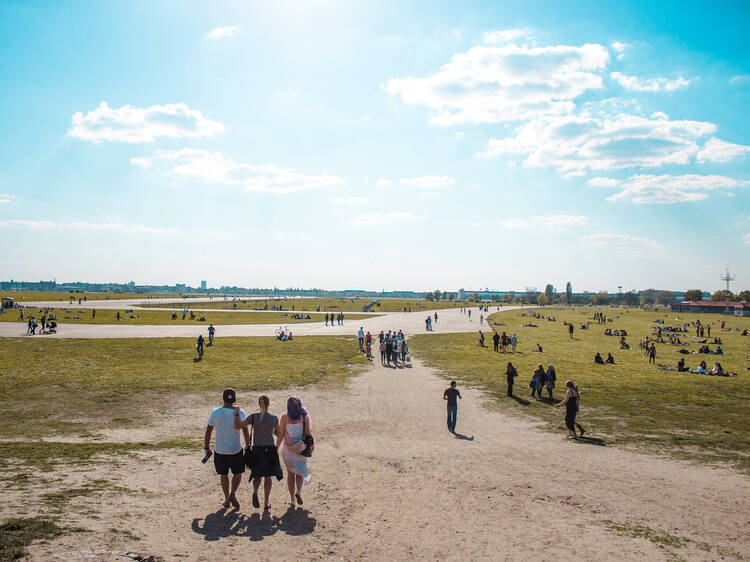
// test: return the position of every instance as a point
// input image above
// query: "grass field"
(79, 386)
(326, 304)
(33, 296)
(630, 403)
(74, 315)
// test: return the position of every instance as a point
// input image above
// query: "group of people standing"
(393, 349)
(263, 433)
(338, 317)
(502, 342)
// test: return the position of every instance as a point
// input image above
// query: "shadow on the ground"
(520, 400)
(592, 441)
(225, 523)
(462, 436)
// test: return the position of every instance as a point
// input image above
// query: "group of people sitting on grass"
(284, 334)
(610, 332)
(702, 369)
(300, 317)
(608, 361)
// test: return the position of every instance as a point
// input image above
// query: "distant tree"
(630, 298)
(475, 298)
(542, 299)
(722, 296)
(429, 296)
(693, 295)
(451, 297)
(664, 297)
(648, 297)
(507, 298)
(445, 296)
(568, 293)
(744, 295)
(549, 292)
(602, 297)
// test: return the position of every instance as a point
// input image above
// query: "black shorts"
(235, 462)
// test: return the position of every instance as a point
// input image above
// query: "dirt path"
(390, 483)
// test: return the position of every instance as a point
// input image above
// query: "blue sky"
(383, 145)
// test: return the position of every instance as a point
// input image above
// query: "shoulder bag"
(308, 440)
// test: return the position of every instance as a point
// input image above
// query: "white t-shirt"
(227, 438)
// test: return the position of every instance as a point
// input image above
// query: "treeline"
(719, 296)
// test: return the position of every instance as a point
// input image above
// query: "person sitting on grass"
(681, 366)
(610, 360)
(702, 369)
(719, 351)
(598, 359)
(538, 349)
(623, 343)
(717, 369)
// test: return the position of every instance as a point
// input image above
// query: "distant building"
(461, 295)
(720, 307)
(203, 285)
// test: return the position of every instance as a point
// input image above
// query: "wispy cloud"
(350, 200)
(621, 243)
(214, 167)
(717, 150)
(746, 238)
(106, 226)
(649, 84)
(420, 182)
(492, 84)
(136, 125)
(5, 198)
(554, 222)
(506, 35)
(26, 224)
(669, 189)
(602, 182)
(221, 32)
(378, 219)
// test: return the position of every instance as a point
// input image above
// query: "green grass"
(33, 296)
(325, 304)
(18, 533)
(58, 501)
(79, 385)
(139, 316)
(630, 403)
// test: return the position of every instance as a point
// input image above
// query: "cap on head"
(229, 395)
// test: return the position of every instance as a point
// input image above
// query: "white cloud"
(214, 167)
(739, 78)
(648, 84)
(621, 243)
(620, 47)
(717, 150)
(221, 32)
(420, 182)
(492, 84)
(506, 35)
(602, 182)
(135, 124)
(667, 189)
(746, 238)
(26, 224)
(375, 219)
(554, 222)
(589, 142)
(350, 200)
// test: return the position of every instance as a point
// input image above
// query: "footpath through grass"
(630, 403)
(320, 304)
(73, 315)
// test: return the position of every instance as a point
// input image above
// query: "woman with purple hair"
(293, 426)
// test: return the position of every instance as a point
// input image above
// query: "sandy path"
(449, 321)
(390, 483)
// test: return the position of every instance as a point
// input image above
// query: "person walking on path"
(652, 354)
(495, 341)
(211, 332)
(264, 457)
(513, 342)
(361, 336)
(293, 426)
(452, 395)
(511, 373)
(572, 397)
(227, 446)
(550, 377)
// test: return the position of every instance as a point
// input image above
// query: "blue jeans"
(452, 415)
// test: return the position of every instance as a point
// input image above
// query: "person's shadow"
(521, 401)
(461, 436)
(220, 524)
(296, 522)
(591, 441)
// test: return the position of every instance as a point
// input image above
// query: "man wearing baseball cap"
(228, 453)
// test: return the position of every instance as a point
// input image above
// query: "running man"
(452, 395)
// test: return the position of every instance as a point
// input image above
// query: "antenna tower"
(727, 278)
